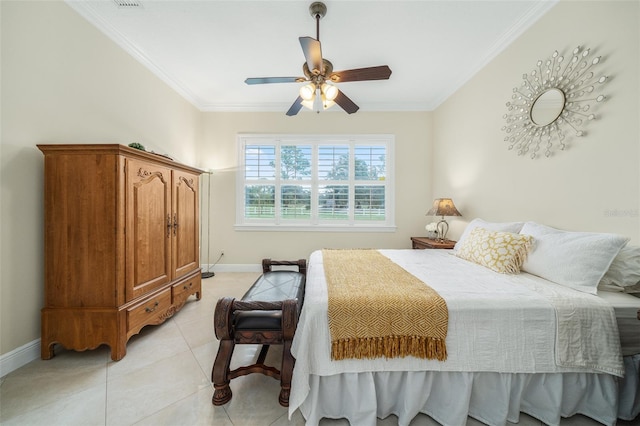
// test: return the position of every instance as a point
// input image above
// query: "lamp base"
(443, 228)
(208, 274)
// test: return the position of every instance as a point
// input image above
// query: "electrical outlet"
(221, 252)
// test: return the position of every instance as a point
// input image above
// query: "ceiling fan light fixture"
(308, 103)
(326, 104)
(329, 91)
(308, 91)
(320, 93)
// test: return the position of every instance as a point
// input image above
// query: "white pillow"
(625, 268)
(513, 227)
(573, 259)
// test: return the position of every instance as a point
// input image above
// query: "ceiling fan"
(320, 75)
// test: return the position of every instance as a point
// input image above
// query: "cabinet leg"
(118, 351)
(46, 350)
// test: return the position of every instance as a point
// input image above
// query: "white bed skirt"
(492, 398)
(629, 407)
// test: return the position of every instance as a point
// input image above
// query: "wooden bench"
(267, 314)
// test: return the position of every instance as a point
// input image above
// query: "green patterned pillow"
(502, 252)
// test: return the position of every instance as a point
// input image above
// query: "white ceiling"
(205, 49)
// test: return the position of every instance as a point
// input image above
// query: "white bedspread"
(497, 323)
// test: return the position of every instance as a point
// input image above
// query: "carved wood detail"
(222, 394)
(145, 174)
(189, 182)
(167, 314)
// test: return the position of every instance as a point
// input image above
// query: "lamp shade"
(308, 91)
(308, 104)
(443, 207)
(330, 91)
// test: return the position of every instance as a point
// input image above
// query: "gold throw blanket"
(378, 309)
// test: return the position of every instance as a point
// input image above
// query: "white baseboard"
(229, 267)
(18, 357)
(240, 267)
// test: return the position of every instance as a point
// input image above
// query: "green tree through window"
(295, 162)
(309, 181)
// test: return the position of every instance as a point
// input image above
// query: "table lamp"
(443, 207)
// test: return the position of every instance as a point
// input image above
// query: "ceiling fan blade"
(266, 80)
(312, 53)
(295, 108)
(345, 103)
(381, 72)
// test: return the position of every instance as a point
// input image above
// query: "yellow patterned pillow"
(502, 252)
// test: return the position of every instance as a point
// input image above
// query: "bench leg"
(289, 324)
(220, 373)
(286, 372)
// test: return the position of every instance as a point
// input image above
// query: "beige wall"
(576, 189)
(64, 82)
(413, 181)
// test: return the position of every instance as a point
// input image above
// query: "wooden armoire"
(121, 244)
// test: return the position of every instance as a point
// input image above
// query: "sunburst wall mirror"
(555, 99)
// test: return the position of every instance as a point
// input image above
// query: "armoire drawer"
(150, 311)
(182, 290)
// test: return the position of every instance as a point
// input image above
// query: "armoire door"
(186, 219)
(149, 227)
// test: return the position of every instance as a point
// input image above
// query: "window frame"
(315, 223)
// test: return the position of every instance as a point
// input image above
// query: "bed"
(515, 343)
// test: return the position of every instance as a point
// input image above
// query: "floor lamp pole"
(208, 274)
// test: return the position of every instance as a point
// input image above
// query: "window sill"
(314, 228)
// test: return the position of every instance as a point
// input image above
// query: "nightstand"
(429, 243)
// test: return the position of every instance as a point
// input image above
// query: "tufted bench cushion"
(272, 286)
(267, 314)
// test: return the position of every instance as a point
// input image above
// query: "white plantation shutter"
(315, 182)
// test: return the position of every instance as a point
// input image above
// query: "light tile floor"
(163, 380)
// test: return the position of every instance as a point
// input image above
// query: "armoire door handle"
(175, 224)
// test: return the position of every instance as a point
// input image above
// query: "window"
(322, 182)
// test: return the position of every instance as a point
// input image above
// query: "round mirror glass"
(547, 107)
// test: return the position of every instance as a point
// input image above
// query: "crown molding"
(531, 16)
(87, 10)
(281, 107)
